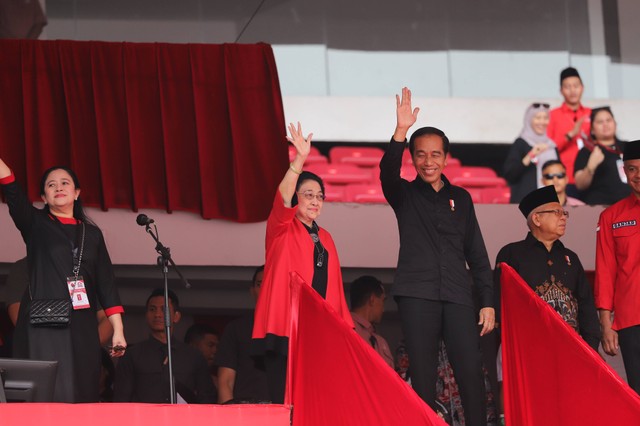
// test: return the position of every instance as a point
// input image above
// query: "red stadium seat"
(406, 158)
(469, 172)
(359, 156)
(496, 195)
(408, 172)
(334, 193)
(474, 177)
(365, 193)
(453, 162)
(314, 155)
(476, 195)
(340, 174)
(478, 182)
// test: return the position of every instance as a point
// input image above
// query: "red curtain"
(336, 378)
(177, 127)
(551, 376)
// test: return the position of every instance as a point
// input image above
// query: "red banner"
(551, 376)
(336, 378)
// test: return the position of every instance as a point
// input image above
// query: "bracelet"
(568, 137)
(294, 170)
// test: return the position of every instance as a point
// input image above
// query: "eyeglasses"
(538, 105)
(557, 212)
(310, 195)
(550, 176)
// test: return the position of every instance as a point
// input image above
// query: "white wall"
(366, 235)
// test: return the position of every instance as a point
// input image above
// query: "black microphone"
(144, 220)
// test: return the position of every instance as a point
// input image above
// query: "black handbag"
(54, 312)
(50, 312)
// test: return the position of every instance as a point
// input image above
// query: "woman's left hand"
(302, 144)
(118, 346)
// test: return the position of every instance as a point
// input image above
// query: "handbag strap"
(76, 267)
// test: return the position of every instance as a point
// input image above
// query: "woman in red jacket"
(295, 244)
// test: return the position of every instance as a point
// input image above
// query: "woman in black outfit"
(522, 168)
(598, 166)
(64, 251)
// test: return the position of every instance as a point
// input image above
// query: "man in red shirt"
(617, 286)
(569, 124)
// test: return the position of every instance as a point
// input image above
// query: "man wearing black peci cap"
(553, 271)
(569, 124)
(617, 286)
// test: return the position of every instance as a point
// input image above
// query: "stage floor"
(120, 414)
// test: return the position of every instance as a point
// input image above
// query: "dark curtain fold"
(196, 128)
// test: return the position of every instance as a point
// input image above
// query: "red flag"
(551, 376)
(336, 378)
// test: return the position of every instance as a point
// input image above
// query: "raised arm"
(303, 147)
(405, 115)
(5, 171)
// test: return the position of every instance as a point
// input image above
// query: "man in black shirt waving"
(439, 236)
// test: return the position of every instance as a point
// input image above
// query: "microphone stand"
(164, 260)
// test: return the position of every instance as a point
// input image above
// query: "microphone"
(144, 220)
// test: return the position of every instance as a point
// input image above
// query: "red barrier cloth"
(189, 127)
(336, 378)
(551, 376)
(107, 414)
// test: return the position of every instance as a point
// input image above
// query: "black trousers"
(424, 323)
(275, 365)
(629, 340)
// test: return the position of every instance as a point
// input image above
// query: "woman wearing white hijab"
(523, 166)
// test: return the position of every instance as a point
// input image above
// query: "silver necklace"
(316, 242)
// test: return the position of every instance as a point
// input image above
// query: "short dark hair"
(305, 176)
(553, 163)
(160, 292)
(196, 333)
(569, 72)
(255, 275)
(362, 288)
(424, 131)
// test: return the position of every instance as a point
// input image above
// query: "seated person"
(204, 338)
(554, 173)
(523, 166)
(239, 379)
(598, 168)
(553, 271)
(367, 306)
(142, 374)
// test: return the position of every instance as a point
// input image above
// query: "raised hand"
(302, 144)
(406, 116)
(576, 127)
(595, 159)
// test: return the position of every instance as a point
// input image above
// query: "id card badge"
(620, 166)
(78, 293)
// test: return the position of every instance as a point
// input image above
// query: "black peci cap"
(544, 195)
(632, 150)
